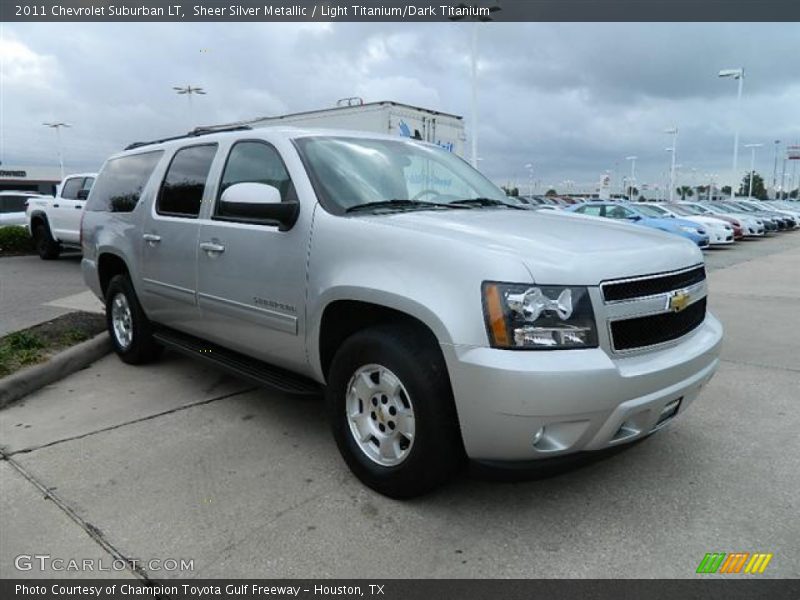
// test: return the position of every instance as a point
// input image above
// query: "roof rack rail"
(197, 131)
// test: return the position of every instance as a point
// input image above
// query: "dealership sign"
(13, 173)
(793, 152)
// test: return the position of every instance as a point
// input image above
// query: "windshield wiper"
(471, 202)
(398, 203)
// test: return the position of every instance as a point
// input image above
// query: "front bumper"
(719, 237)
(584, 399)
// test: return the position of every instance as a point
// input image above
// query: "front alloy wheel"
(391, 410)
(380, 414)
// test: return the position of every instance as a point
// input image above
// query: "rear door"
(169, 240)
(251, 276)
(65, 206)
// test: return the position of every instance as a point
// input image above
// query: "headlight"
(529, 317)
(689, 229)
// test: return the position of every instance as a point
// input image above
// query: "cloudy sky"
(573, 99)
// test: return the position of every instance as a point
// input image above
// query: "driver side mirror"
(82, 194)
(258, 203)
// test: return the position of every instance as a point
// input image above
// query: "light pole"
(529, 166)
(189, 91)
(633, 174)
(736, 74)
(775, 170)
(673, 150)
(57, 127)
(474, 75)
(752, 166)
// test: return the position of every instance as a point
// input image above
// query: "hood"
(708, 221)
(670, 223)
(558, 248)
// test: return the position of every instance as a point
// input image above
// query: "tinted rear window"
(185, 181)
(121, 182)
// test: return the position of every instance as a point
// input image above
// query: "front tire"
(46, 246)
(391, 409)
(129, 328)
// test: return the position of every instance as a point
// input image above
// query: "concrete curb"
(22, 383)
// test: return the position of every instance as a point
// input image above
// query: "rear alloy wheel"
(129, 328)
(46, 246)
(392, 412)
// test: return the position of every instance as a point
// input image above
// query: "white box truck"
(440, 128)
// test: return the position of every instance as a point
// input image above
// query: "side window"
(122, 180)
(70, 189)
(591, 209)
(182, 189)
(86, 187)
(617, 212)
(254, 162)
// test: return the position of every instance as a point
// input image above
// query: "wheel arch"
(109, 265)
(343, 317)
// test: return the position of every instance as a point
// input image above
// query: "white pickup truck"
(55, 222)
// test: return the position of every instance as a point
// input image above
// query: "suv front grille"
(650, 286)
(656, 329)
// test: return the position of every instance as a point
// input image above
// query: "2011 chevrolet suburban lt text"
(442, 322)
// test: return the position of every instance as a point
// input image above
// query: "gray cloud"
(574, 99)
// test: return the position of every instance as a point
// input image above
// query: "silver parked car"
(441, 321)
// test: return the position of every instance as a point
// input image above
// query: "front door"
(252, 277)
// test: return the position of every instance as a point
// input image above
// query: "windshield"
(684, 211)
(652, 211)
(349, 172)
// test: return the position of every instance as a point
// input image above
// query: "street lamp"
(775, 170)
(189, 91)
(474, 72)
(529, 166)
(633, 174)
(736, 74)
(674, 133)
(57, 127)
(752, 166)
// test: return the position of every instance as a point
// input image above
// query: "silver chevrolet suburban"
(441, 321)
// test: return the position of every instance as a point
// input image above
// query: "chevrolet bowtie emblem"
(678, 301)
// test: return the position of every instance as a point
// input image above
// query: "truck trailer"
(393, 118)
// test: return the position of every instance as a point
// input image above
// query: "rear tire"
(46, 246)
(391, 409)
(129, 328)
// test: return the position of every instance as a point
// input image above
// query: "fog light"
(537, 437)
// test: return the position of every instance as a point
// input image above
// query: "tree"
(759, 190)
(726, 190)
(684, 191)
(551, 192)
(510, 191)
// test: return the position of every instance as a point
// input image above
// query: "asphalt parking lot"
(176, 460)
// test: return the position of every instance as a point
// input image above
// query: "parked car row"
(705, 223)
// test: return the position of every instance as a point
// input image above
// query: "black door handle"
(55, 205)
